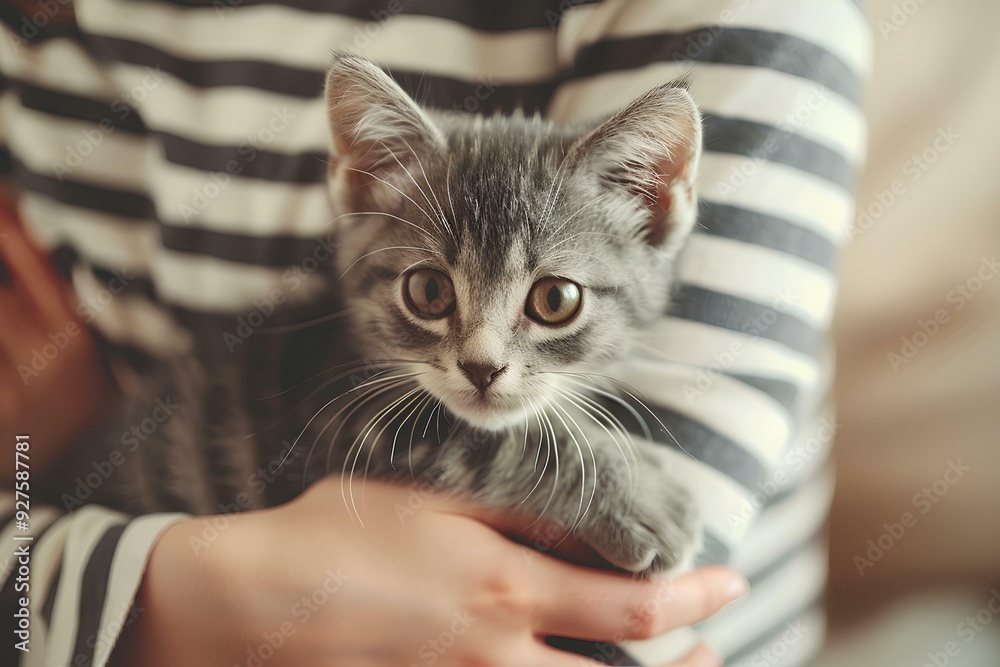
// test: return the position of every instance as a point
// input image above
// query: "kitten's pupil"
(431, 291)
(555, 298)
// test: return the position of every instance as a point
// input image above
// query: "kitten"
(490, 266)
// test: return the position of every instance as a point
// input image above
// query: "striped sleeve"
(68, 582)
(736, 370)
(181, 143)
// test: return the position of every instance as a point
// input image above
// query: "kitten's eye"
(429, 294)
(553, 301)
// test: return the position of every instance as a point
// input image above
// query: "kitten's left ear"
(650, 151)
(378, 130)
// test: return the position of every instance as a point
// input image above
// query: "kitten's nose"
(481, 375)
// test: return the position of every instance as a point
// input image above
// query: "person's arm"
(52, 384)
(304, 584)
(68, 581)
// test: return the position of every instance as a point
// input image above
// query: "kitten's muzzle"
(481, 375)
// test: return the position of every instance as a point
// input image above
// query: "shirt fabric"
(174, 151)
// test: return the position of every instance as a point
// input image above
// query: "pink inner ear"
(660, 206)
(655, 231)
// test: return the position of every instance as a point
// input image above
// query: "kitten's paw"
(655, 535)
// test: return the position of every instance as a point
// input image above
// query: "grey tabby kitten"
(490, 266)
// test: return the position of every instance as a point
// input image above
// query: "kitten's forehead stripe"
(488, 170)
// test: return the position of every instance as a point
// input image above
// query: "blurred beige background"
(918, 394)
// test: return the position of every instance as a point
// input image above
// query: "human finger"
(588, 604)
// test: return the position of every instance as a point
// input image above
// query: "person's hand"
(52, 383)
(424, 581)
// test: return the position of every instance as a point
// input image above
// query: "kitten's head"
(498, 253)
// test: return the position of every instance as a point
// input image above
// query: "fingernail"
(735, 588)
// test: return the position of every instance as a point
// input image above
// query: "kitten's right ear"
(378, 130)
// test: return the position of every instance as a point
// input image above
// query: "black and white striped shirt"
(181, 144)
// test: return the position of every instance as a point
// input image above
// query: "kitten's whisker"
(437, 422)
(590, 405)
(578, 212)
(593, 490)
(447, 180)
(355, 404)
(427, 400)
(376, 379)
(581, 512)
(617, 399)
(305, 428)
(593, 415)
(368, 462)
(430, 416)
(421, 398)
(388, 215)
(538, 453)
(414, 265)
(298, 405)
(541, 432)
(409, 451)
(577, 235)
(298, 326)
(403, 194)
(430, 188)
(374, 252)
(552, 196)
(586, 254)
(351, 364)
(524, 445)
(363, 437)
(358, 401)
(413, 180)
(642, 422)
